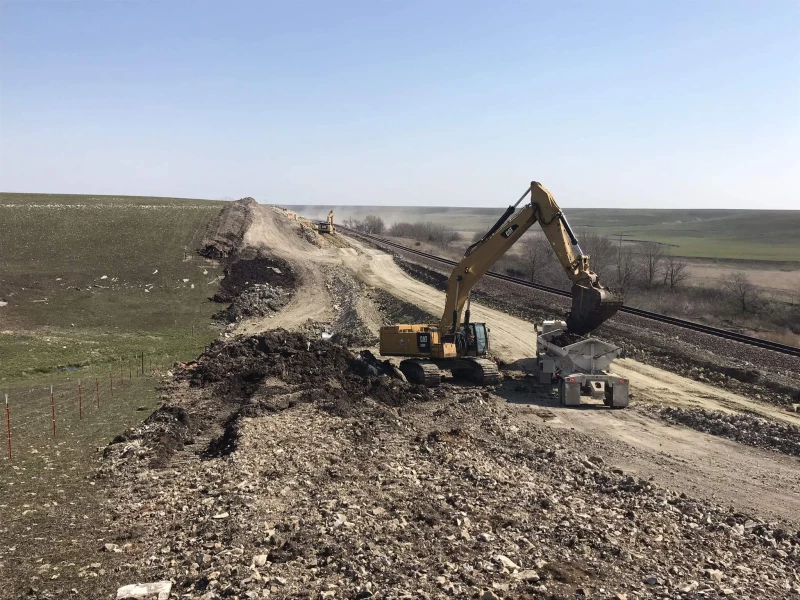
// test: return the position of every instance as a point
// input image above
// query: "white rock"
(528, 575)
(506, 562)
(160, 589)
(260, 560)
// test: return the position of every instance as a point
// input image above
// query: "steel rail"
(645, 314)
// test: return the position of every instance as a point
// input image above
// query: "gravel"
(414, 495)
(744, 428)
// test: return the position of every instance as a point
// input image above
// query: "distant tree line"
(647, 275)
(432, 233)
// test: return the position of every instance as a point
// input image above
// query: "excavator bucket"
(591, 306)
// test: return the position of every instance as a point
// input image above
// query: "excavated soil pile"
(322, 372)
(256, 376)
(744, 428)
(166, 430)
(565, 339)
(226, 231)
(277, 370)
(255, 284)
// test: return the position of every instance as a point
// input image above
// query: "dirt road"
(676, 457)
(284, 238)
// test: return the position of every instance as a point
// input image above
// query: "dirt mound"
(238, 367)
(226, 231)
(291, 357)
(165, 430)
(255, 284)
(301, 370)
(253, 267)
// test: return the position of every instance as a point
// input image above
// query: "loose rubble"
(744, 428)
(336, 480)
(226, 231)
(256, 285)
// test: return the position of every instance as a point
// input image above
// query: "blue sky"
(609, 104)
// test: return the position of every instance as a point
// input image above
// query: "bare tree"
(428, 231)
(374, 225)
(352, 223)
(675, 272)
(538, 255)
(371, 224)
(628, 269)
(651, 258)
(601, 251)
(746, 295)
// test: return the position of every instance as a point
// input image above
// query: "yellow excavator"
(462, 346)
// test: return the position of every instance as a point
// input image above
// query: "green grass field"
(88, 283)
(92, 280)
(770, 235)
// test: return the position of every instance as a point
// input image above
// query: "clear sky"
(654, 103)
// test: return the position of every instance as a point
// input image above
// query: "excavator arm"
(592, 303)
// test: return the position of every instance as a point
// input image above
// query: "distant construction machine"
(462, 346)
(326, 226)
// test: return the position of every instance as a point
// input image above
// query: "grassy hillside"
(719, 234)
(90, 280)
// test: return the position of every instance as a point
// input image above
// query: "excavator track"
(421, 372)
(480, 371)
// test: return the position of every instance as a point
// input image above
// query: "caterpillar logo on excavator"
(462, 346)
(510, 230)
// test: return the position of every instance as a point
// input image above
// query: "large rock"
(137, 591)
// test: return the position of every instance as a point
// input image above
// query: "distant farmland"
(717, 234)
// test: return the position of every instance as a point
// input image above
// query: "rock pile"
(744, 428)
(342, 482)
(259, 300)
(256, 285)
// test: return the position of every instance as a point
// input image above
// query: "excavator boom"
(592, 303)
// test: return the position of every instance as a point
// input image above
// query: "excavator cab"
(472, 339)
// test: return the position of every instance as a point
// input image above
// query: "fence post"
(142, 364)
(8, 428)
(130, 370)
(80, 401)
(97, 391)
(53, 409)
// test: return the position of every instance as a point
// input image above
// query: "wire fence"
(60, 408)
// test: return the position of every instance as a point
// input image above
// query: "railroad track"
(645, 314)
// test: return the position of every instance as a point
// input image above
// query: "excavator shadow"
(525, 390)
